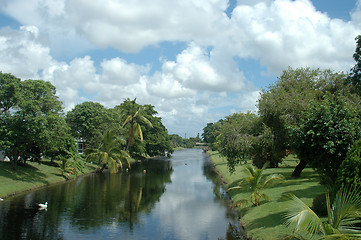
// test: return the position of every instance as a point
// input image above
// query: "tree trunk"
(299, 168)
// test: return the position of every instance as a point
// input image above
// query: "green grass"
(31, 176)
(266, 221)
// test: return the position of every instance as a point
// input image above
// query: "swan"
(43, 206)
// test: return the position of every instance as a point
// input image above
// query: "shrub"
(349, 172)
(319, 205)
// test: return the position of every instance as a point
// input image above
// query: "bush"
(349, 172)
(319, 205)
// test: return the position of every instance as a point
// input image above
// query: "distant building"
(80, 145)
(201, 144)
(3, 157)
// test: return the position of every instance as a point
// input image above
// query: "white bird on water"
(43, 206)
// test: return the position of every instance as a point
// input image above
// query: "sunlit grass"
(31, 176)
(266, 220)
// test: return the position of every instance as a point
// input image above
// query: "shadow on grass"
(25, 173)
(304, 193)
(268, 221)
(50, 163)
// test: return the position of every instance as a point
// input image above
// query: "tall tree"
(29, 112)
(285, 103)
(355, 74)
(327, 133)
(134, 118)
(156, 138)
(86, 121)
(236, 137)
(109, 153)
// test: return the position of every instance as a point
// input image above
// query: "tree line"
(35, 126)
(312, 113)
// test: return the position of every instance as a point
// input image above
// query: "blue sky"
(196, 61)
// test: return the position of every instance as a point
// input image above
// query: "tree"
(210, 133)
(355, 74)
(156, 138)
(87, 121)
(256, 183)
(134, 118)
(109, 153)
(327, 133)
(263, 149)
(236, 136)
(286, 103)
(349, 172)
(29, 111)
(343, 214)
(176, 140)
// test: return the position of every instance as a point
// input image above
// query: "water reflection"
(173, 199)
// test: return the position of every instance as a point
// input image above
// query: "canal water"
(177, 198)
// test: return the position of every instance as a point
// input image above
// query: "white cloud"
(196, 69)
(284, 32)
(133, 25)
(203, 82)
(118, 71)
(22, 53)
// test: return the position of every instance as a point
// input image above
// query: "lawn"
(31, 176)
(266, 221)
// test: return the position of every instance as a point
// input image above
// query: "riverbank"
(265, 222)
(32, 176)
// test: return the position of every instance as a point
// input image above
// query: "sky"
(196, 61)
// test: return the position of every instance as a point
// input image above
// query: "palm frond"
(346, 209)
(273, 179)
(146, 121)
(301, 217)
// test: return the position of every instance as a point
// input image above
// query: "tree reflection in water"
(129, 205)
(90, 202)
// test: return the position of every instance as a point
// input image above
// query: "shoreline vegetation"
(32, 176)
(265, 222)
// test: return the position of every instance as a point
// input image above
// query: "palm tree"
(255, 183)
(109, 152)
(343, 214)
(134, 118)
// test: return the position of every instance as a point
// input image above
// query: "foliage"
(343, 214)
(86, 121)
(134, 118)
(264, 149)
(64, 167)
(211, 132)
(355, 74)
(73, 165)
(109, 153)
(326, 134)
(256, 183)
(176, 140)
(349, 172)
(156, 138)
(319, 205)
(31, 117)
(283, 106)
(236, 136)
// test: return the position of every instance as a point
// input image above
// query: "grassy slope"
(265, 221)
(30, 177)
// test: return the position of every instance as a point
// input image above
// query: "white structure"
(3, 157)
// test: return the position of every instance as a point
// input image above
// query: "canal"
(178, 198)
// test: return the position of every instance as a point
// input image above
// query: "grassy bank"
(265, 221)
(29, 177)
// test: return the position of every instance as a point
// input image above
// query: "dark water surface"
(173, 199)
